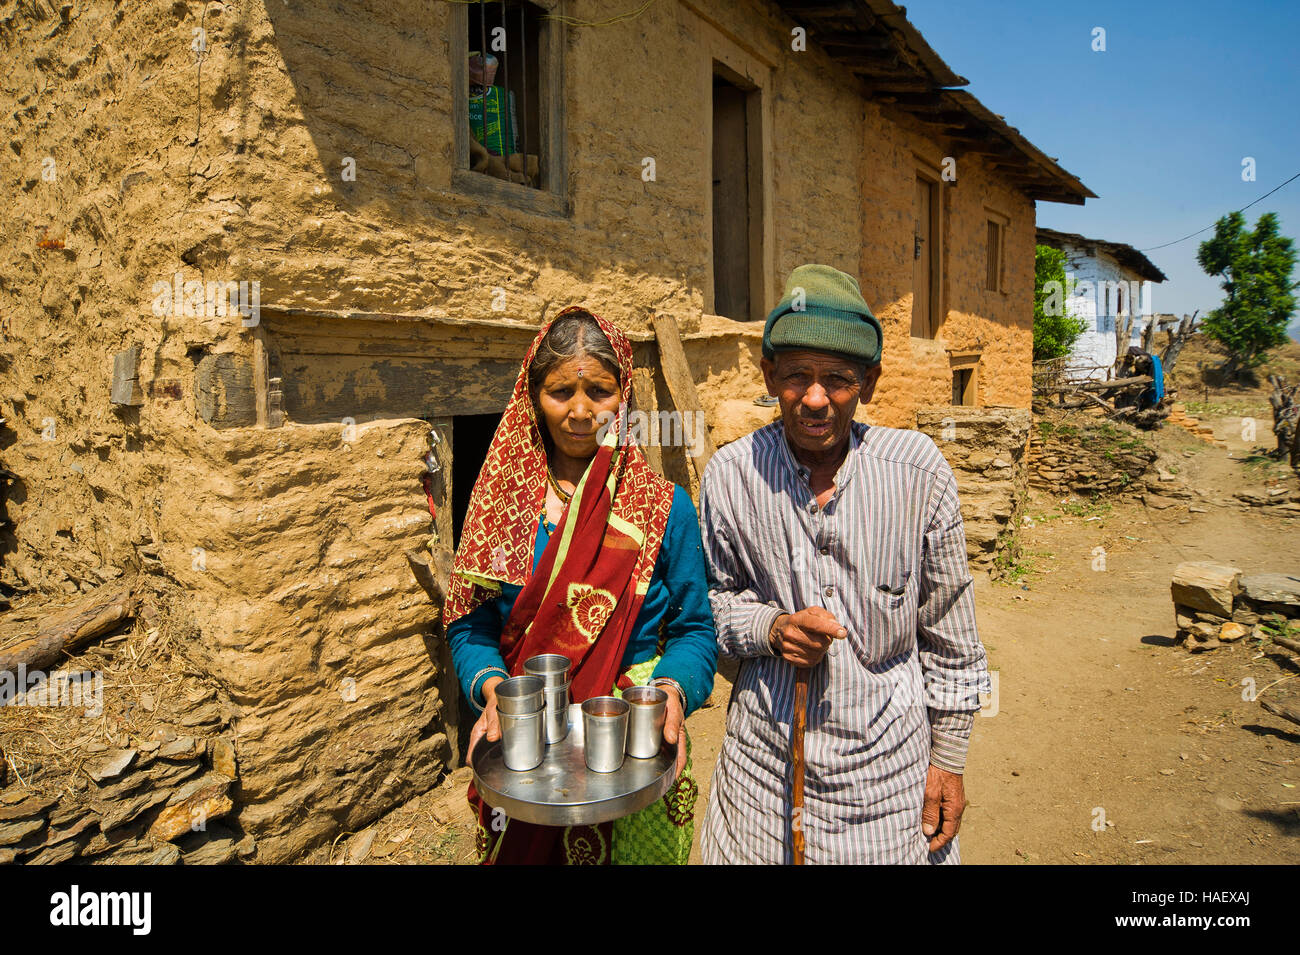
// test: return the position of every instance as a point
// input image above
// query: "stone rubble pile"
(1215, 604)
(1178, 416)
(162, 802)
(1070, 461)
(986, 449)
(1279, 499)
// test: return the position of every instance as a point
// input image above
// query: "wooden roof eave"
(897, 68)
(1126, 255)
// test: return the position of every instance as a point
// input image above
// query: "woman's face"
(572, 396)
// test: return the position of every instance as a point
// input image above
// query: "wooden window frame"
(1002, 221)
(967, 361)
(551, 198)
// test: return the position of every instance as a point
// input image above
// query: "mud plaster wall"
(107, 95)
(319, 83)
(917, 372)
(288, 542)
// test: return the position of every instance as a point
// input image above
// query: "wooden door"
(731, 232)
(923, 261)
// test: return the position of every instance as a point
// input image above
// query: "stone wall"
(124, 749)
(161, 803)
(986, 449)
(1079, 454)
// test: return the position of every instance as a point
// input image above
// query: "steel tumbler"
(645, 722)
(604, 721)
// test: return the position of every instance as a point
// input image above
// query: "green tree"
(1258, 291)
(1055, 329)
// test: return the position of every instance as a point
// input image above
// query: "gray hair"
(576, 335)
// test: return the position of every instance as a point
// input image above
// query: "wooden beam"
(41, 636)
(681, 386)
(905, 97)
(851, 44)
(823, 11)
(1279, 709)
(1114, 385)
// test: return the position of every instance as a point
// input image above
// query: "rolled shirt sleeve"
(953, 661)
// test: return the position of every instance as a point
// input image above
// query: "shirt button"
(824, 551)
(812, 508)
(829, 591)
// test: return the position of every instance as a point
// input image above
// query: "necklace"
(559, 492)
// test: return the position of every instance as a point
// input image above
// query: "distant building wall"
(1096, 275)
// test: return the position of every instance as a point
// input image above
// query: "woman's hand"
(675, 727)
(488, 725)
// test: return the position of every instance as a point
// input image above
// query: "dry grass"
(147, 683)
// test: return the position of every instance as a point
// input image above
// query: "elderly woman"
(573, 545)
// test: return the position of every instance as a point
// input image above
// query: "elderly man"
(838, 547)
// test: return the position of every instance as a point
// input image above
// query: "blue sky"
(1157, 125)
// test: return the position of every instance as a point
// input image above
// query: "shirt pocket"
(891, 615)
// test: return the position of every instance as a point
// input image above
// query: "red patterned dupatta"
(584, 596)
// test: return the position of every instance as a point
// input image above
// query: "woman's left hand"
(675, 727)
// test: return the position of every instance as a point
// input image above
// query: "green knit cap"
(823, 310)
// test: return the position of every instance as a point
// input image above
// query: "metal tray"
(562, 791)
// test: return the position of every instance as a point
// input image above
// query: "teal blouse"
(675, 618)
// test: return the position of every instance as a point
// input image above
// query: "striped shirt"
(887, 557)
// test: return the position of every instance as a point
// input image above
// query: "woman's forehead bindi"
(585, 367)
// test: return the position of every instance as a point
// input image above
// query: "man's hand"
(675, 727)
(803, 638)
(487, 725)
(945, 801)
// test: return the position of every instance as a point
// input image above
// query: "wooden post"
(681, 386)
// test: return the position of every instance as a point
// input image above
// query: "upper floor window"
(508, 109)
(996, 245)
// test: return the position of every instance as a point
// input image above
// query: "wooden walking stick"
(799, 722)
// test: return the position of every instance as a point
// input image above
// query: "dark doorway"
(471, 436)
(737, 188)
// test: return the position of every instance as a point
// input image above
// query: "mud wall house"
(267, 463)
(1110, 284)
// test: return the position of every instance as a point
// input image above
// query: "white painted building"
(1110, 280)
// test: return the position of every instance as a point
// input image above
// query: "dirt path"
(1098, 713)
(1109, 744)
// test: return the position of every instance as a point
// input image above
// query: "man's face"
(818, 393)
